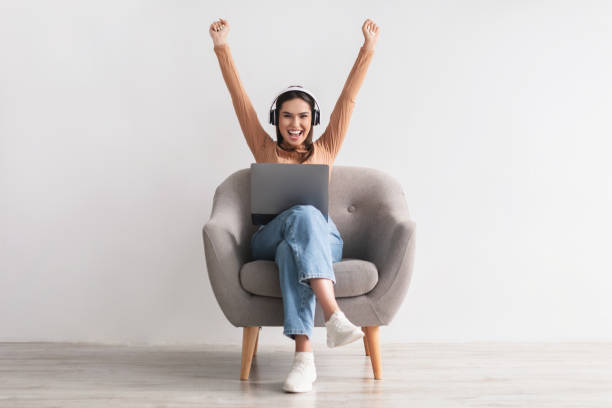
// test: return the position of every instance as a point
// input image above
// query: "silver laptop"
(276, 187)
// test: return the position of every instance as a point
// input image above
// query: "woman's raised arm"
(253, 132)
(333, 136)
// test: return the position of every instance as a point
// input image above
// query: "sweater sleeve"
(256, 137)
(334, 134)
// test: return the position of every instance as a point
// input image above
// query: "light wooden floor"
(414, 375)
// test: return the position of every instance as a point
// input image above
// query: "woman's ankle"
(302, 343)
(331, 312)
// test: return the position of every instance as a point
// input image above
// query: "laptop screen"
(276, 187)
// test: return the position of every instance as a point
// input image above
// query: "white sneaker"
(341, 331)
(303, 373)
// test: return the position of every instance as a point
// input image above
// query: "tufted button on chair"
(372, 279)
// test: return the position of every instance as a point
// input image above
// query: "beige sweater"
(264, 148)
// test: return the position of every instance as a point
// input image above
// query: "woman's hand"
(218, 31)
(370, 33)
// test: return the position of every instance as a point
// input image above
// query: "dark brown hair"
(279, 104)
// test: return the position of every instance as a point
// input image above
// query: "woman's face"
(294, 116)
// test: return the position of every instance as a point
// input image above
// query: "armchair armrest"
(224, 258)
(392, 251)
(227, 246)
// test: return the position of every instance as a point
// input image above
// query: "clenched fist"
(370, 33)
(218, 31)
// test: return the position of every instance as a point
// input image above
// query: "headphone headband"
(317, 110)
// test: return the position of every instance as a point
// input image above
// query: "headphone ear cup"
(316, 117)
(273, 116)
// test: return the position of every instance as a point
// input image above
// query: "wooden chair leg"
(256, 341)
(249, 338)
(365, 342)
(371, 332)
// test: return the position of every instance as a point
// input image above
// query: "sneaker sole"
(295, 390)
(306, 388)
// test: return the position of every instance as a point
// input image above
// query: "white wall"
(116, 127)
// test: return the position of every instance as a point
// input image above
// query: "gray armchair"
(370, 211)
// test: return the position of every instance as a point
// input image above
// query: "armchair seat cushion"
(354, 277)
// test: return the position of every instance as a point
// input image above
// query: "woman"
(301, 242)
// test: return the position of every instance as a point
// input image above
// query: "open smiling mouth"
(295, 136)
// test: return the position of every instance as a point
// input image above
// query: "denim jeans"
(303, 245)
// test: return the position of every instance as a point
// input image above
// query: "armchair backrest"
(361, 197)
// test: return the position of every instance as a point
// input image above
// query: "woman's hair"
(279, 103)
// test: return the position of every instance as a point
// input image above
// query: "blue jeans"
(303, 245)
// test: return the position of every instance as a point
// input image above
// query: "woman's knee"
(304, 208)
(305, 212)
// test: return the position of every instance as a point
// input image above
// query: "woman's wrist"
(369, 45)
(218, 44)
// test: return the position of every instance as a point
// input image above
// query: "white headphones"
(316, 117)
